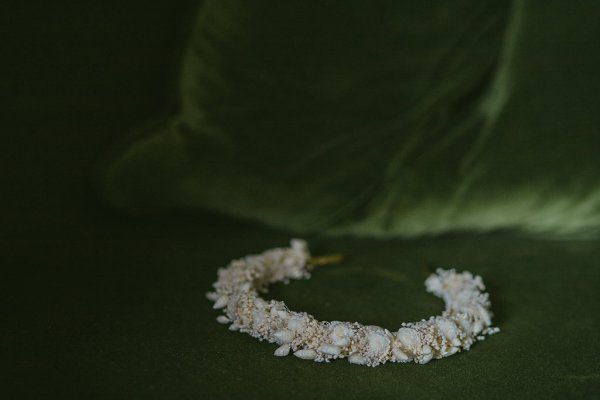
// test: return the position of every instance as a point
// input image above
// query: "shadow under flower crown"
(467, 317)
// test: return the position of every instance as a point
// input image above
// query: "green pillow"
(384, 118)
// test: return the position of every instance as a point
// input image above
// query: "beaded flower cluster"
(467, 317)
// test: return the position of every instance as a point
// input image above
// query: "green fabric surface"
(134, 322)
(96, 304)
(400, 118)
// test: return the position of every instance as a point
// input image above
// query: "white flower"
(378, 342)
(448, 328)
(409, 340)
(340, 333)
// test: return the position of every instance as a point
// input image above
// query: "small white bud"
(306, 354)
(477, 327)
(330, 349)
(282, 351)
(357, 359)
(449, 351)
(221, 302)
(298, 245)
(212, 296)
(399, 354)
(425, 359)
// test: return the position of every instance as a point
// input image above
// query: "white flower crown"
(467, 317)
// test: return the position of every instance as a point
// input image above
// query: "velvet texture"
(97, 305)
(396, 118)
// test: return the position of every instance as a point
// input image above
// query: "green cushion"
(392, 119)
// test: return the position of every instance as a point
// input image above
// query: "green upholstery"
(99, 305)
(393, 119)
(130, 319)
